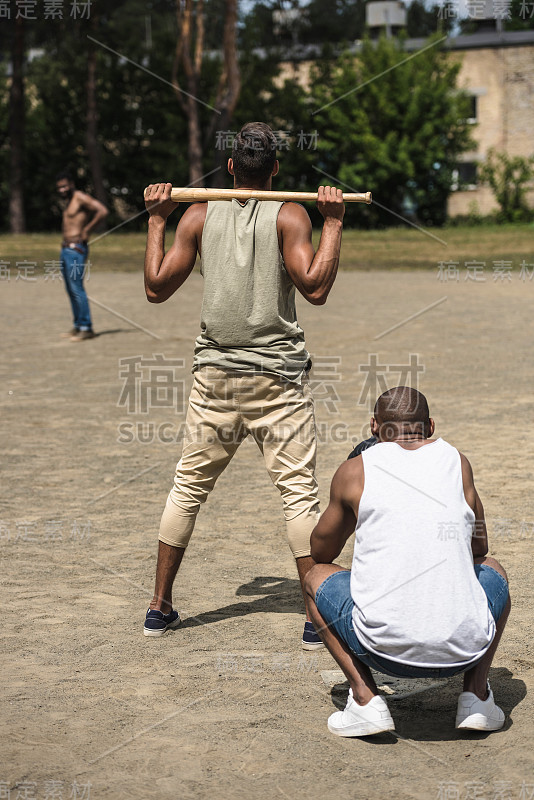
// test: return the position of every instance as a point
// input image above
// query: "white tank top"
(416, 597)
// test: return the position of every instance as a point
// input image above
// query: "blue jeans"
(334, 602)
(72, 268)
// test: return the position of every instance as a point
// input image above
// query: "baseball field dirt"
(228, 705)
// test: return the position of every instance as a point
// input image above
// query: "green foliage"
(287, 106)
(319, 21)
(4, 142)
(509, 178)
(521, 16)
(335, 21)
(398, 134)
(142, 130)
(422, 21)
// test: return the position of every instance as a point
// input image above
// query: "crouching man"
(422, 600)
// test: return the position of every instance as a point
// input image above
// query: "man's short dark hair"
(254, 153)
(65, 175)
(402, 406)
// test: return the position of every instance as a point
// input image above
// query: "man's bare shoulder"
(191, 223)
(293, 215)
(347, 484)
(194, 216)
(83, 198)
(349, 474)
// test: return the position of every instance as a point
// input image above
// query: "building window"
(465, 177)
(473, 109)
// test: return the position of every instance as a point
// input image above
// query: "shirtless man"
(81, 213)
(422, 598)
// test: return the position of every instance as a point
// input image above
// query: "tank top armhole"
(282, 262)
(209, 208)
(202, 234)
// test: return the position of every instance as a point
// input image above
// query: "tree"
(17, 217)
(335, 21)
(189, 56)
(91, 138)
(509, 178)
(422, 21)
(521, 16)
(318, 22)
(285, 105)
(229, 86)
(399, 135)
(140, 131)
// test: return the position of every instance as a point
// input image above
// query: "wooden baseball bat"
(188, 195)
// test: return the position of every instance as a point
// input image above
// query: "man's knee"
(310, 580)
(488, 561)
(317, 575)
(299, 530)
(177, 523)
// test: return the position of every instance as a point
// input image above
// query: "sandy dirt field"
(228, 705)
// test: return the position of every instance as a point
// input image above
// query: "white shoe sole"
(309, 646)
(171, 627)
(478, 722)
(362, 729)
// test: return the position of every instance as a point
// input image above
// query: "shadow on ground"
(114, 330)
(280, 595)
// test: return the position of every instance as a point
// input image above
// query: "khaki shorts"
(224, 408)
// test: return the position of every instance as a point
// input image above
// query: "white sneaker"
(358, 720)
(474, 714)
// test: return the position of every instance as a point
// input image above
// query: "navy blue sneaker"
(310, 639)
(157, 623)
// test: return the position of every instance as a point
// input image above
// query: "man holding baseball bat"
(251, 364)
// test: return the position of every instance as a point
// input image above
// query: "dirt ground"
(228, 705)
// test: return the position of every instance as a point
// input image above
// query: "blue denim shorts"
(334, 602)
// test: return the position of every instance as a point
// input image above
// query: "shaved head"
(402, 404)
(402, 409)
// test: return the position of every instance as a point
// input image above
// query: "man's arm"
(166, 272)
(339, 520)
(479, 540)
(313, 273)
(98, 209)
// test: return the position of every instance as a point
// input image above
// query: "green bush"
(509, 178)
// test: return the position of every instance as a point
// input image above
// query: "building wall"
(503, 81)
